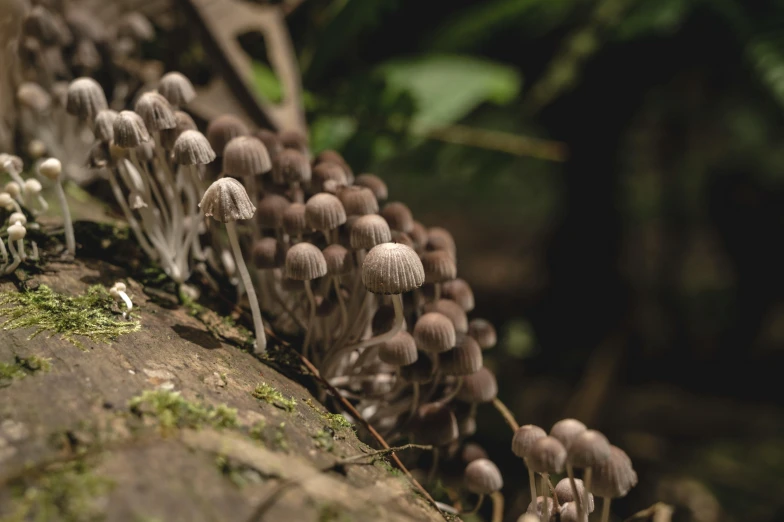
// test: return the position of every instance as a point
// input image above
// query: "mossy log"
(170, 423)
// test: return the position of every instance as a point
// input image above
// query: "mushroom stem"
(20, 247)
(587, 479)
(17, 259)
(606, 509)
(577, 497)
(506, 414)
(311, 317)
(3, 252)
(132, 222)
(342, 305)
(531, 480)
(70, 240)
(545, 497)
(476, 507)
(498, 506)
(436, 291)
(414, 400)
(127, 301)
(261, 339)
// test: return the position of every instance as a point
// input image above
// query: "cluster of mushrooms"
(371, 293)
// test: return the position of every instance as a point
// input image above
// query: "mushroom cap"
(192, 148)
(85, 99)
(479, 387)
(392, 268)
(563, 490)
(439, 238)
(324, 212)
(399, 351)
(418, 234)
(16, 232)
(614, 477)
(223, 129)
(246, 156)
(402, 238)
(463, 359)
(452, 310)
(420, 371)
(176, 88)
(305, 262)
(31, 187)
(482, 477)
(328, 171)
(536, 507)
(369, 231)
(399, 216)
(294, 139)
(375, 184)
(17, 217)
(129, 130)
(184, 122)
(339, 260)
(588, 449)
(334, 156)
(226, 200)
(294, 221)
(271, 142)
(271, 209)
(358, 201)
(293, 167)
(566, 430)
(472, 451)
(269, 253)
(103, 127)
(524, 437)
(13, 188)
(484, 332)
(547, 455)
(33, 96)
(569, 513)
(435, 424)
(51, 168)
(439, 266)
(156, 111)
(460, 292)
(434, 333)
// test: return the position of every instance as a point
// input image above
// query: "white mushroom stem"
(342, 305)
(577, 497)
(129, 217)
(531, 480)
(126, 300)
(606, 509)
(17, 259)
(3, 251)
(20, 247)
(545, 498)
(34, 256)
(311, 317)
(70, 240)
(44, 205)
(261, 339)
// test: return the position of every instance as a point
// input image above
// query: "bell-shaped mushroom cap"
(563, 490)
(327, 171)
(305, 262)
(369, 231)
(435, 424)
(439, 266)
(570, 513)
(245, 156)
(85, 99)
(156, 112)
(479, 387)
(375, 184)
(453, 311)
(391, 268)
(223, 129)
(484, 333)
(292, 167)
(472, 451)
(192, 148)
(176, 88)
(460, 292)
(466, 423)
(524, 438)
(399, 351)
(420, 371)
(358, 201)
(135, 25)
(324, 212)
(482, 477)
(271, 142)
(294, 139)
(339, 260)
(86, 55)
(294, 221)
(33, 96)
(50, 168)
(129, 130)
(566, 430)
(40, 24)
(536, 507)
(439, 238)
(104, 125)
(402, 238)
(16, 232)
(226, 200)
(271, 209)
(184, 122)
(589, 449)
(434, 333)
(528, 517)
(269, 253)
(614, 477)
(418, 234)
(547, 455)
(399, 216)
(32, 187)
(463, 359)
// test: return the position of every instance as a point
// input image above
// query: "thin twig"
(515, 144)
(506, 414)
(381, 453)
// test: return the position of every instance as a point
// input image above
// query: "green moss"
(172, 411)
(68, 492)
(336, 421)
(23, 367)
(325, 439)
(265, 392)
(386, 466)
(280, 437)
(332, 513)
(238, 474)
(257, 431)
(87, 315)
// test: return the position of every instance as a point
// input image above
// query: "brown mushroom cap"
(305, 262)
(537, 506)
(399, 216)
(129, 130)
(399, 351)
(524, 438)
(294, 221)
(358, 201)
(103, 127)
(589, 449)
(292, 167)
(439, 238)
(156, 112)
(192, 148)
(614, 477)
(375, 184)
(269, 253)
(463, 359)
(246, 156)
(482, 477)
(324, 212)
(434, 333)
(176, 88)
(453, 311)
(223, 129)
(85, 99)
(435, 424)
(271, 143)
(563, 490)
(184, 122)
(460, 292)
(547, 455)
(566, 430)
(271, 209)
(439, 266)
(472, 451)
(226, 200)
(484, 333)
(479, 387)
(339, 260)
(369, 231)
(327, 171)
(391, 268)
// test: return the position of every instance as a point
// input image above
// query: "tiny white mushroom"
(51, 169)
(16, 233)
(7, 202)
(32, 189)
(118, 292)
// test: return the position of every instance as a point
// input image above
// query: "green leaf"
(331, 132)
(663, 16)
(448, 87)
(267, 82)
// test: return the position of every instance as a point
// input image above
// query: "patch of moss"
(265, 392)
(171, 411)
(386, 466)
(238, 474)
(325, 439)
(280, 437)
(336, 421)
(332, 513)
(69, 492)
(257, 431)
(88, 315)
(22, 367)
